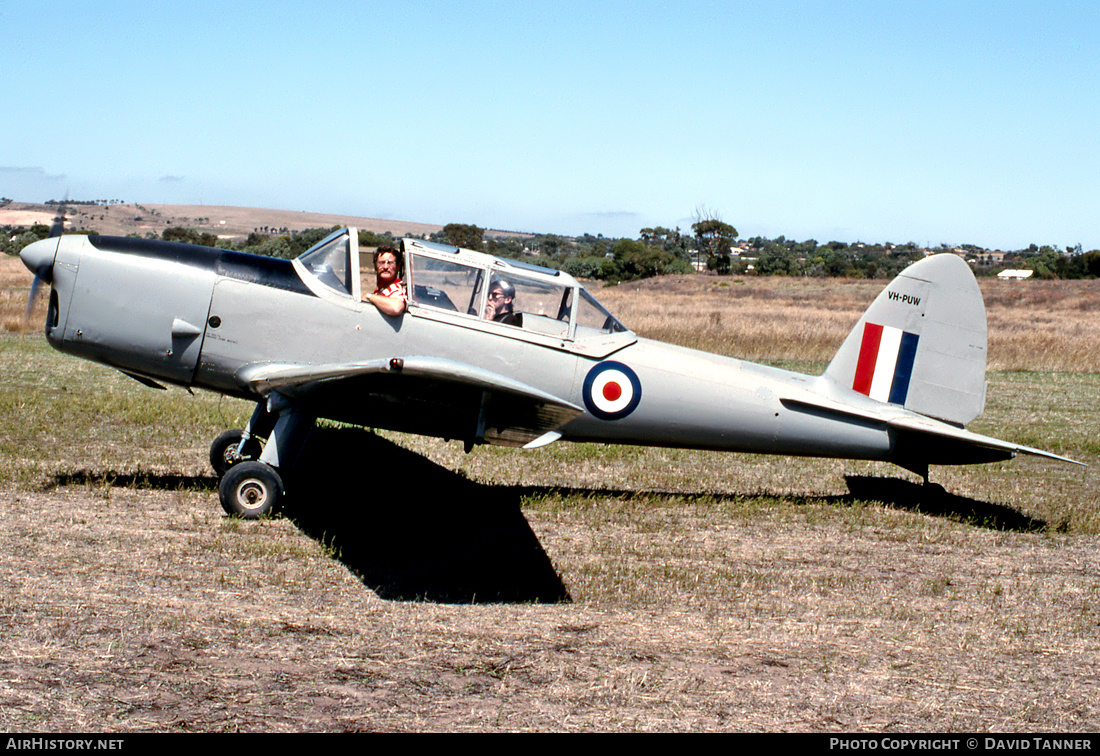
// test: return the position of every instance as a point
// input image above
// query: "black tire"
(223, 452)
(251, 490)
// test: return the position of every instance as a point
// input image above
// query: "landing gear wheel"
(251, 490)
(223, 452)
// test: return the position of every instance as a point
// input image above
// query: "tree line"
(711, 245)
(85, 202)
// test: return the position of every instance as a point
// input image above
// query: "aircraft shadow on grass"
(413, 530)
(934, 500)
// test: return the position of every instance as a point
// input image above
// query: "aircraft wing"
(924, 438)
(421, 394)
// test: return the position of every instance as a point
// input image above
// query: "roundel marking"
(611, 391)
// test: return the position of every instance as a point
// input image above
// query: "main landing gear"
(251, 483)
(251, 490)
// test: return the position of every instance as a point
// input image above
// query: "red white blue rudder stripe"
(885, 366)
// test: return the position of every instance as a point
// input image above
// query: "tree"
(465, 235)
(508, 247)
(715, 238)
(590, 266)
(189, 236)
(13, 239)
(720, 264)
(669, 240)
(372, 239)
(636, 260)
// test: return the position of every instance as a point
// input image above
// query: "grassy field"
(576, 587)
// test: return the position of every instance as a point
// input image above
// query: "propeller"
(39, 257)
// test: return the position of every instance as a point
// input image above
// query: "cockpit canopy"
(471, 287)
(537, 299)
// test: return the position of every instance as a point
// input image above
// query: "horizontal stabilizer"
(941, 431)
(924, 439)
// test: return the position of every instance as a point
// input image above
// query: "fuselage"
(203, 317)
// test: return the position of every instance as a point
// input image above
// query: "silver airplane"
(295, 337)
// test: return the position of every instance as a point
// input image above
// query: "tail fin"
(921, 344)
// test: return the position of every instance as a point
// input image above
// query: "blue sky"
(958, 122)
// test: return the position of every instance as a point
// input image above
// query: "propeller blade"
(35, 286)
(58, 226)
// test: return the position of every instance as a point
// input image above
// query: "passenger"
(390, 297)
(499, 307)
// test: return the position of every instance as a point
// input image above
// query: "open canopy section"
(334, 262)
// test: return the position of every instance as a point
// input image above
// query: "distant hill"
(226, 222)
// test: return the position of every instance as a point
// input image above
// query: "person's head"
(387, 265)
(501, 294)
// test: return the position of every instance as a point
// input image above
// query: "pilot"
(499, 306)
(390, 297)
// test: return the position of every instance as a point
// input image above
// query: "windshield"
(330, 261)
(593, 317)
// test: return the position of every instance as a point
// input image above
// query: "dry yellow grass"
(15, 287)
(1043, 325)
(13, 275)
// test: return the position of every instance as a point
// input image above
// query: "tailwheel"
(251, 490)
(224, 454)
